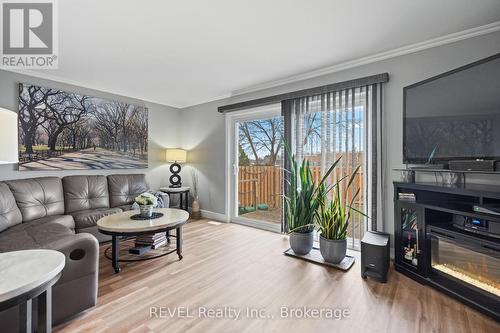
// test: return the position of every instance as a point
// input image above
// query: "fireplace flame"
(477, 281)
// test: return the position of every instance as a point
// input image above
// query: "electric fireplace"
(466, 262)
(440, 240)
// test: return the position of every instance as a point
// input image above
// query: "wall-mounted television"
(454, 116)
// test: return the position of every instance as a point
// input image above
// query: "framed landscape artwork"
(61, 130)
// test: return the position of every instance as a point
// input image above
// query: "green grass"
(22, 148)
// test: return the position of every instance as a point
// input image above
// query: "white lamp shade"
(176, 155)
(8, 137)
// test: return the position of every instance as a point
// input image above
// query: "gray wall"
(163, 130)
(204, 128)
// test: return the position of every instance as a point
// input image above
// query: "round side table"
(27, 275)
(183, 193)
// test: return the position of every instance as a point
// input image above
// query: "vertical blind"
(346, 123)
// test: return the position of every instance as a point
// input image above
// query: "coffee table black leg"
(45, 311)
(178, 239)
(25, 312)
(168, 236)
(180, 201)
(187, 201)
(115, 253)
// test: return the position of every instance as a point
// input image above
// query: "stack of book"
(152, 240)
(407, 197)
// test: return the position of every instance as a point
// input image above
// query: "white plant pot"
(146, 210)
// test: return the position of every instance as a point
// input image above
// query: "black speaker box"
(473, 165)
(375, 252)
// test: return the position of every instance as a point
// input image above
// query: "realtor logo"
(29, 38)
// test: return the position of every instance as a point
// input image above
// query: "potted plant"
(332, 219)
(301, 204)
(146, 202)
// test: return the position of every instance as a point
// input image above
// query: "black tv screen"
(454, 116)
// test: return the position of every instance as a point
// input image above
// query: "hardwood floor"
(242, 268)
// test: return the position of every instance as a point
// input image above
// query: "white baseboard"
(213, 215)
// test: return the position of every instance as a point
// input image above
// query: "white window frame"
(231, 203)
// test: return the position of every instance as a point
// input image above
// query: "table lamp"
(175, 156)
(8, 137)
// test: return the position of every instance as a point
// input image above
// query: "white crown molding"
(208, 100)
(55, 78)
(404, 50)
(131, 95)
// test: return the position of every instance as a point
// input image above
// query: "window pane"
(259, 169)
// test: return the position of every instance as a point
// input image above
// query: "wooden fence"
(259, 184)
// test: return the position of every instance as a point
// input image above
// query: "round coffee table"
(26, 275)
(121, 225)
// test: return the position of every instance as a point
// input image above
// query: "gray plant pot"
(333, 251)
(301, 242)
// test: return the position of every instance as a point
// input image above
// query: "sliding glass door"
(257, 154)
(321, 129)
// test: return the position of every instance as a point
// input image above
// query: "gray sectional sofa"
(61, 214)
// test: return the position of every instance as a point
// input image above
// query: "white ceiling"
(182, 53)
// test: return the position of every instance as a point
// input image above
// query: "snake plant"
(301, 204)
(332, 218)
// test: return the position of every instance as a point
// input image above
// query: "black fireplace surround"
(435, 246)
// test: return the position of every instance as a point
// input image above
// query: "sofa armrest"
(166, 199)
(82, 256)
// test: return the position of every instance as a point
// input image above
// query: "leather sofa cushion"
(124, 188)
(94, 231)
(125, 207)
(89, 218)
(33, 235)
(85, 192)
(65, 220)
(38, 197)
(10, 215)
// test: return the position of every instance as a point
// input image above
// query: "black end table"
(183, 193)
